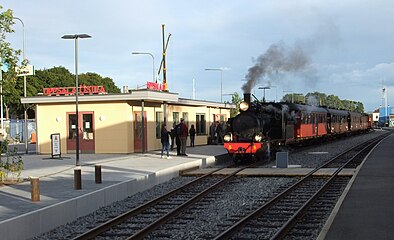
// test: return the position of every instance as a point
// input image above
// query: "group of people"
(217, 131)
(179, 133)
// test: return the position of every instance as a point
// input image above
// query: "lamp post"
(153, 61)
(221, 80)
(264, 88)
(24, 85)
(75, 37)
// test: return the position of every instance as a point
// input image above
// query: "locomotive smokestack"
(247, 97)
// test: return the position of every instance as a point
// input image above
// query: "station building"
(117, 123)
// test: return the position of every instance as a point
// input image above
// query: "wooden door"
(86, 132)
(138, 131)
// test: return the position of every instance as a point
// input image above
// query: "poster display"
(55, 145)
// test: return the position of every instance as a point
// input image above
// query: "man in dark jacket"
(183, 137)
(173, 135)
(178, 139)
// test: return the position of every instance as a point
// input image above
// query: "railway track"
(139, 222)
(285, 216)
(293, 213)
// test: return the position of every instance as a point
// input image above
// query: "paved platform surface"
(122, 175)
(367, 211)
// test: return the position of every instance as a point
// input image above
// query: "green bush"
(10, 162)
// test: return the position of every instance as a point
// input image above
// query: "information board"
(55, 145)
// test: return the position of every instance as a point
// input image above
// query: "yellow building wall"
(114, 124)
(114, 128)
(51, 119)
(192, 111)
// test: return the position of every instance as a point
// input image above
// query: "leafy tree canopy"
(236, 100)
(321, 99)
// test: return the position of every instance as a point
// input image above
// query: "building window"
(220, 117)
(159, 122)
(87, 126)
(200, 124)
(175, 119)
(185, 117)
(72, 126)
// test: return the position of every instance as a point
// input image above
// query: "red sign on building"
(156, 86)
(57, 91)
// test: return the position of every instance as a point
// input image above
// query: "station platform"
(122, 175)
(366, 209)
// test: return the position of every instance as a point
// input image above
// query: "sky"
(339, 47)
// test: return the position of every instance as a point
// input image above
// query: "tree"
(236, 100)
(316, 99)
(47, 78)
(9, 57)
(288, 98)
(334, 102)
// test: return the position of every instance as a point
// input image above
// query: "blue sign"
(4, 66)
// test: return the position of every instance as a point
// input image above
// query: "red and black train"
(261, 127)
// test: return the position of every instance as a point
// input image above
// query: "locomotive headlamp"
(243, 106)
(258, 137)
(227, 138)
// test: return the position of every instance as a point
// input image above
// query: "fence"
(16, 129)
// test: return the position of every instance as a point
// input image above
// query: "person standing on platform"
(173, 135)
(219, 132)
(165, 143)
(192, 133)
(183, 137)
(178, 130)
(212, 133)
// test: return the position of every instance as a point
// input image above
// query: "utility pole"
(163, 60)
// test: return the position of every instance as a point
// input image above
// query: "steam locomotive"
(261, 128)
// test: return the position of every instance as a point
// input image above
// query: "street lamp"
(264, 88)
(221, 80)
(75, 37)
(153, 61)
(24, 84)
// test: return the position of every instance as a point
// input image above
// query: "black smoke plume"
(277, 59)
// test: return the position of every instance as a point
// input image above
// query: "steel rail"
(281, 233)
(244, 221)
(94, 232)
(153, 226)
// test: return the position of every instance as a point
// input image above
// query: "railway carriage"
(337, 123)
(261, 127)
(311, 121)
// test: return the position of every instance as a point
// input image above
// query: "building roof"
(135, 95)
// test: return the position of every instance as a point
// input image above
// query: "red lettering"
(82, 89)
